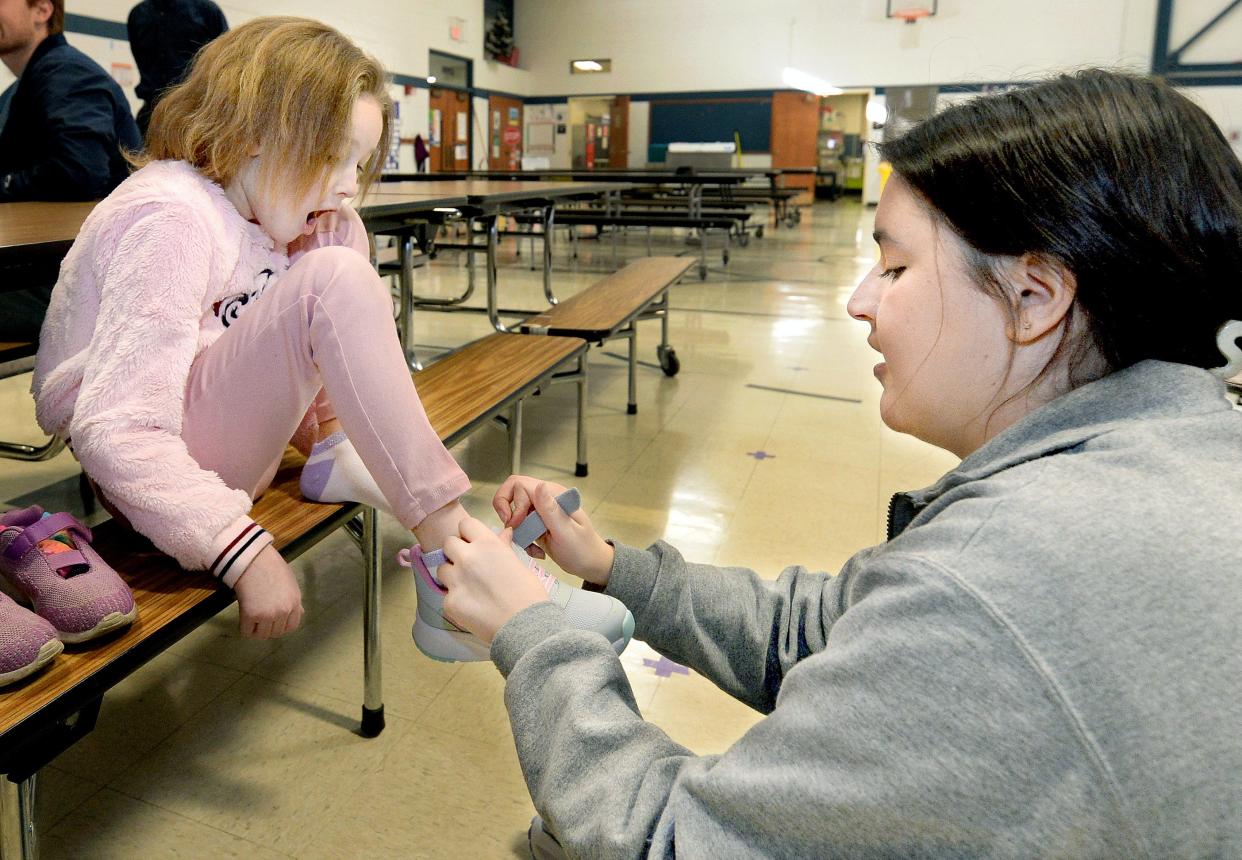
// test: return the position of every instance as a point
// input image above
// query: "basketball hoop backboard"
(911, 12)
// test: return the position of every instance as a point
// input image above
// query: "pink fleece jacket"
(157, 271)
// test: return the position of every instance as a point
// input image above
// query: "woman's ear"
(1044, 293)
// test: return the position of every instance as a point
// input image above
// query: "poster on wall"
(393, 162)
(463, 126)
(513, 138)
(514, 119)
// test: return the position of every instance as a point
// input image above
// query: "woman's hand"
(486, 583)
(571, 540)
(269, 597)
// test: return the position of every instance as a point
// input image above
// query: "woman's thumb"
(549, 511)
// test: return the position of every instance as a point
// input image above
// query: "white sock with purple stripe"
(335, 473)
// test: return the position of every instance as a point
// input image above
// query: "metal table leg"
(493, 302)
(373, 694)
(515, 438)
(406, 312)
(18, 839)
(549, 218)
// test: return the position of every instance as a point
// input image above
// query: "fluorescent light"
(799, 80)
(431, 79)
(877, 112)
(588, 66)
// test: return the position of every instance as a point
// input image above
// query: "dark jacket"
(164, 36)
(67, 123)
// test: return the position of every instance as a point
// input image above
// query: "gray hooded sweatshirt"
(1043, 660)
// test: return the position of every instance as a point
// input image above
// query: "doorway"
(451, 109)
(506, 133)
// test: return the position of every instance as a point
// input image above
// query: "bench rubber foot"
(372, 722)
(631, 409)
(580, 470)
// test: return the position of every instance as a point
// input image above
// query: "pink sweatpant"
(327, 324)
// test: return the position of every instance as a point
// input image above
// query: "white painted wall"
(660, 46)
(400, 34)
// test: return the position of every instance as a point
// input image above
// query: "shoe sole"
(448, 646)
(46, 655)
(110, 622)
(454, 646)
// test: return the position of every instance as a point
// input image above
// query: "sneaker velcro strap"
(30, 536)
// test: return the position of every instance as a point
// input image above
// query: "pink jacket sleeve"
(126, 426)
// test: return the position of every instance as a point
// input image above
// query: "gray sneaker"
(441, 639)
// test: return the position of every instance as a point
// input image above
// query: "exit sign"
(457, 29)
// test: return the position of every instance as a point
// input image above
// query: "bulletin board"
(541, 137)
(713, 120)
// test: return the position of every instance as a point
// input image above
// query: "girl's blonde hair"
(287, 85)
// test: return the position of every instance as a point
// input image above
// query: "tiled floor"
(228, 747)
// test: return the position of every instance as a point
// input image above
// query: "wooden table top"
(23, 225)
(479, 190)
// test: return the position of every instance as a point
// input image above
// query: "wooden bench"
(44, 716)
(612, 308)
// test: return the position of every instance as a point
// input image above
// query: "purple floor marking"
(665, 667)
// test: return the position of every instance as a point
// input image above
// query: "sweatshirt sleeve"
(922, 728)
(742, 632)
(126, 426)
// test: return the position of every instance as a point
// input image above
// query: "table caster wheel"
(669, 362)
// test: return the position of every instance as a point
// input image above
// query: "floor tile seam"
(167, 737)
(146, 802)
(346, 787)
(65, 811)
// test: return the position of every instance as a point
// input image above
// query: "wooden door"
(505, 133)
(452, 110)
(795, 135)
(619, 146)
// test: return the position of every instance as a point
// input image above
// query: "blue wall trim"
(96, 27)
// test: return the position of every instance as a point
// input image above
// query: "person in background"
(65, 122)
(164, 36)
(1044, 658)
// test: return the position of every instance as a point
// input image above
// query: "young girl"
(1045, 657)
(220, 302)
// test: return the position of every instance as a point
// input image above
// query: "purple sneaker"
(27, 642)
(47, 560)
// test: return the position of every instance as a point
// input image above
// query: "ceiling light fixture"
(799, 80)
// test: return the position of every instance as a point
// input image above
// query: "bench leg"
(18, 839)
(515, 438)
(580, 469)
(631, 406)
(373, 694)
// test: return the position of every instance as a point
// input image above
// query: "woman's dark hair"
(1121, 179)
